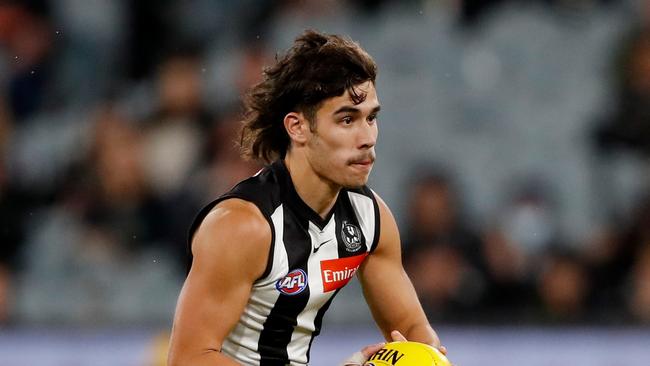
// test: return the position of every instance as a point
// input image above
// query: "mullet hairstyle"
(317, 67)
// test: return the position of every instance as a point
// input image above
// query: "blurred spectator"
(10, 219)
(513, 249)
(175, 143)
(120, 202)
(618, 267)
(226, 166)
(563, 287)
(639, 298)
(528, 220)
(173, 137)
(27, 37)
(441, 251)
(5, 294)
(608, 262)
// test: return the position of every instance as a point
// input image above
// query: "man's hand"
(358, 358)
(398, 337)
(362, 356)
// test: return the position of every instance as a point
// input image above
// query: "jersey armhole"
(208, 208)
(375, 204)
(269, 259)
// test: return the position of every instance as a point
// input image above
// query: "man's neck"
(318, 193)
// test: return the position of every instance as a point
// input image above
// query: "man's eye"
(372, 118)
(347, 120)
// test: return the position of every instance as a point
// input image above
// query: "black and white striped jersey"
(311, 259)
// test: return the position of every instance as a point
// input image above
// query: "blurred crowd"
(517, 269)
(119, 120)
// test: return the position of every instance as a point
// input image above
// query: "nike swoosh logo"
(321, 244)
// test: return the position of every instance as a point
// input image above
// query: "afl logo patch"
(351, 237)
(293, 283)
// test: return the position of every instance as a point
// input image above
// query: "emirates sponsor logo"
(336, 273)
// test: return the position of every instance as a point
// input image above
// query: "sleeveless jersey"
(310, 260)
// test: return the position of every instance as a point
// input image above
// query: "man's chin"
(355, 184)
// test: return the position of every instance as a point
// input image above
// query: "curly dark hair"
(317, 67)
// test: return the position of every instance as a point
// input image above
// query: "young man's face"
(341, 149)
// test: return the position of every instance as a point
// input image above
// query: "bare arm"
(230, 251)
(388, 290)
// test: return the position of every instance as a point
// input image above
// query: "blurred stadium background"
(513, 150)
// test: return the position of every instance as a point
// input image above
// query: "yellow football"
(407, 354)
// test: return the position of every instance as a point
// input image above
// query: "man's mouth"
(364, 162)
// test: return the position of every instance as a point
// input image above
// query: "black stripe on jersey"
(281, 322)
(345, 215)
(195, 226)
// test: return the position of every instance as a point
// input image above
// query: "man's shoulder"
(237, 214)
(233, 233)
(256, 195)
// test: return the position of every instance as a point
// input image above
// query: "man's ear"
(297, 127)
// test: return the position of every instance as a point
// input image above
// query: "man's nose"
(367, 136)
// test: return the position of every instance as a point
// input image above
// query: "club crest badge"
(351, 237)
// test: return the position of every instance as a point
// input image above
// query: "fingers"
(397, 336)
(368, 351)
